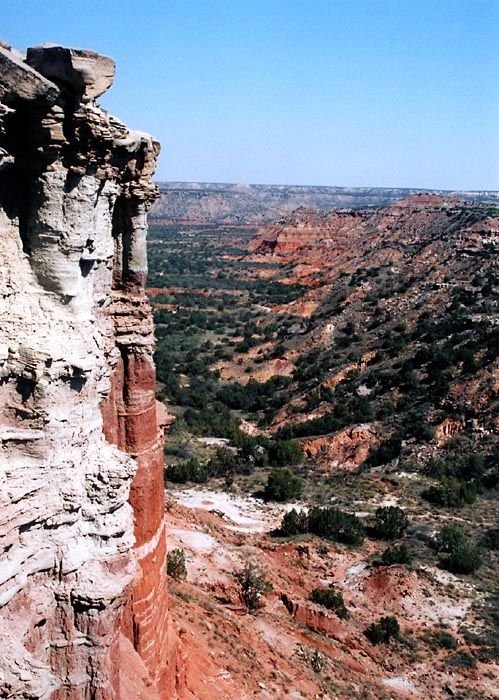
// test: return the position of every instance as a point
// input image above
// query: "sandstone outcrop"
(344, 450)
(313, 617)
(256, 205)
(418, 228)
(81, 499)
(84, 73)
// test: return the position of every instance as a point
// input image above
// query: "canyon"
(356, 346)
(83, 599)
(368, 337)
(259, 205)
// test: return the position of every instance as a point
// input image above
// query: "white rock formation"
(67, 170)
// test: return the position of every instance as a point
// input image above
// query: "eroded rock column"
(82, 555)
(134, 421)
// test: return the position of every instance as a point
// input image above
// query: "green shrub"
(436, 468)
(471, 468)
(254, 585)
(461, 659)
(396, 554)
(457, 553)
(350, 410)
(385, 453)
(333, 524)
(294, 523)
(383, 631)
(421, 430)
(282, 453)
(175, 564)
(444, 640)
(463, 560)
(317, 661)
(190, 470)
(389, 522)
(223, 462)
(448, 539)
(461, 462)
(252, 396)
(451, 493)
(491, 538)
(327, 522)
(282, 486)
(330, 599)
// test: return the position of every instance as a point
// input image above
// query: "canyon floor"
(358, 349)
(296, 649)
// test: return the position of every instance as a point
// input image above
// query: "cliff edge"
(83, 605)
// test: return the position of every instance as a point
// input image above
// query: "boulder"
(19, 82)
(82, 72)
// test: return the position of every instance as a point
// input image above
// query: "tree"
(451, 493)
(254, 585)
(284, 452)
(336, 525)
(330, 599)
(190, 470)
(396, 555)
(223, 462)
(383, 631)
(457, 553)
(385, 452)
(389, 522)
(491, 538)
(294, 523)
(282, 486)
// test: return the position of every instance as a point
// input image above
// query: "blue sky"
(321, 92)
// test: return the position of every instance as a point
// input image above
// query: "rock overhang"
(81, 72)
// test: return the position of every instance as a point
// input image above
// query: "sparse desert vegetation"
(361, 393)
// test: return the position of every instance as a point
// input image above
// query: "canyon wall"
(259, 205)
(83, 606)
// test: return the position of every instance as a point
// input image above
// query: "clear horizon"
(372, 93)
(304, 184)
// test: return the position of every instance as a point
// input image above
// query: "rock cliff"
(422, 229)
(257, 205)
(83, 608)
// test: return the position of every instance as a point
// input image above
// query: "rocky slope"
(295, 649)
(421, 223)
(254, 205)
(83, 609)
(401, 314)
(383, 323)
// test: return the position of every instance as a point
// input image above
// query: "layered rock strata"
(80, 435)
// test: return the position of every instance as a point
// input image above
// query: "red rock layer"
(346, 449)
(77, 379)
(314, 618)
(339, 240)
(132, 422)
